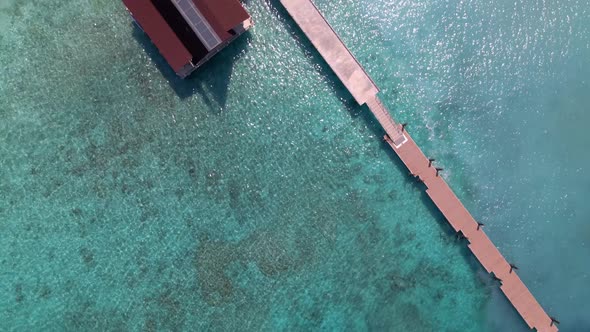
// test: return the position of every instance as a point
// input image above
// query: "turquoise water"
(257, 196)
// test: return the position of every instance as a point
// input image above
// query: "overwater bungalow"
(189, 32)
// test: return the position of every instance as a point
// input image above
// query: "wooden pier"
(364, 90)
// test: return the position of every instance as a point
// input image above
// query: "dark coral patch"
(87, 257)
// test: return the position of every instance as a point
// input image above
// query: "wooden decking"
(360, 85)
(393, 130)
(337, 55)
(479, 243)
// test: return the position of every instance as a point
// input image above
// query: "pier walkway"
(364, 90)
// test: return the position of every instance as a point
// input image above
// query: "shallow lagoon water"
(257, 196)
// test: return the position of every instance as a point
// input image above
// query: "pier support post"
(438, 169)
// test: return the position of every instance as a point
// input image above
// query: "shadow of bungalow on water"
(211, 80)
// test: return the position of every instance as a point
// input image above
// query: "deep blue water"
(257, 196)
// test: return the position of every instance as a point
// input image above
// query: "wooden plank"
(332, 49)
